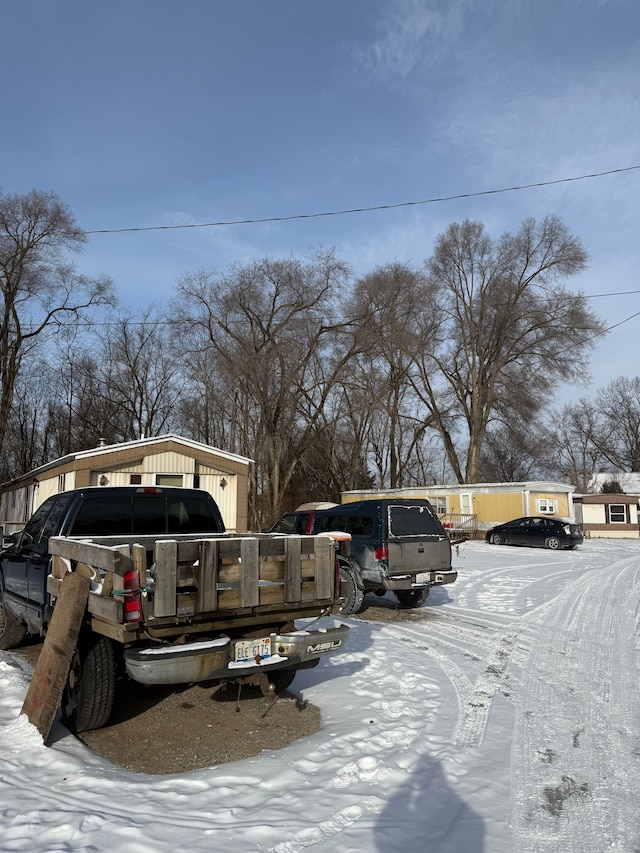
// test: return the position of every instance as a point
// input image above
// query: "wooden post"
(52, 668)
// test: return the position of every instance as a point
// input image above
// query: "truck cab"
(94, 511)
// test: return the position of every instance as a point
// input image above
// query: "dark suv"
(396, 545)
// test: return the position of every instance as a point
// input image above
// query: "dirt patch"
(176, 729)
(163, 730)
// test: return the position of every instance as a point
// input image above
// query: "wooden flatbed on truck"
(208, 608)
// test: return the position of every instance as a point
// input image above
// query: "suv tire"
(413, 597)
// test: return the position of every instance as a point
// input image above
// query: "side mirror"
(9, 540)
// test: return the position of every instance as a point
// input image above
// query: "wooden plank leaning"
(50, 674)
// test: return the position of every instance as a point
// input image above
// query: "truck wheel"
(354, 598)
(88, 695)
(12, 631)
(281, 678)
(413, 597)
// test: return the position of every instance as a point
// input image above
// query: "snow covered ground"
(501, 716)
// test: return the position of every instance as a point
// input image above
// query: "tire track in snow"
(576, 756)
(474, 699)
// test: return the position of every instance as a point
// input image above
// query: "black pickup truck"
(174, 599)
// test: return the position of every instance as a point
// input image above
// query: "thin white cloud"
(411, 34)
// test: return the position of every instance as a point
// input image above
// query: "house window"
(439, 504)
(135, 479)
(546, 505)
(617, 514)
(61, 482)
(169, 479)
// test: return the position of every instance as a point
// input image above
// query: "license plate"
(253, 649)
(423, 577)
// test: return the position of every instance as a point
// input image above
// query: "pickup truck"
(174, 599)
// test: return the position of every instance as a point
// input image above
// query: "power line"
(106, 323)
(222, 223)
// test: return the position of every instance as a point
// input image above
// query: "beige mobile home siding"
(591, 514)
(224, 475)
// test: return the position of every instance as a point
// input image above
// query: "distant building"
(610, 515)
(484, 504)
(167, 460)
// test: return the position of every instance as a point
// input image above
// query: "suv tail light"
(382, 553)
(132, 597)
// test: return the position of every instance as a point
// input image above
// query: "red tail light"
(132, 597)
(382, 553)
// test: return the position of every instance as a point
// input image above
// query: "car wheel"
(281, 678)
(413, 597)
(354, 598)
(552, 542)
(12, 631)
(497, 539)
(88, 696)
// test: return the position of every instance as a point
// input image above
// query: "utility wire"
(222, 223)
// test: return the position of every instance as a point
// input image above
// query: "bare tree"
(618, 407)
(510, 329)
(574, 444)
(513, 453)
(39, 286)
(394, 316)
(270, 325)
(141, 373)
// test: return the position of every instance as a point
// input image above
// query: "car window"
(413, 521)
(332, 522)
(53, 522)
(103, 515)
(301, 523)
(149, 514)
(33, 528)
(191, 514)
(286, 524)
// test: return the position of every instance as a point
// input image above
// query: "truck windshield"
(413, 521)
(113, 515)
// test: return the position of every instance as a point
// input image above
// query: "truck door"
(17, 560)
(39, 563)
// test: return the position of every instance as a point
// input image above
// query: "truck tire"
(413, 597)
(12, 630)
(354, 598)
(88, 695)
(281, 678)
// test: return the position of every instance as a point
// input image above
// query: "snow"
(501, 716)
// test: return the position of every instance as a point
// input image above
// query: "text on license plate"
(253, 648)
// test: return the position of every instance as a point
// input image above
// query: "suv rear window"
(412, 521)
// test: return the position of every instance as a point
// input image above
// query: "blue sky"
(157, 112)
